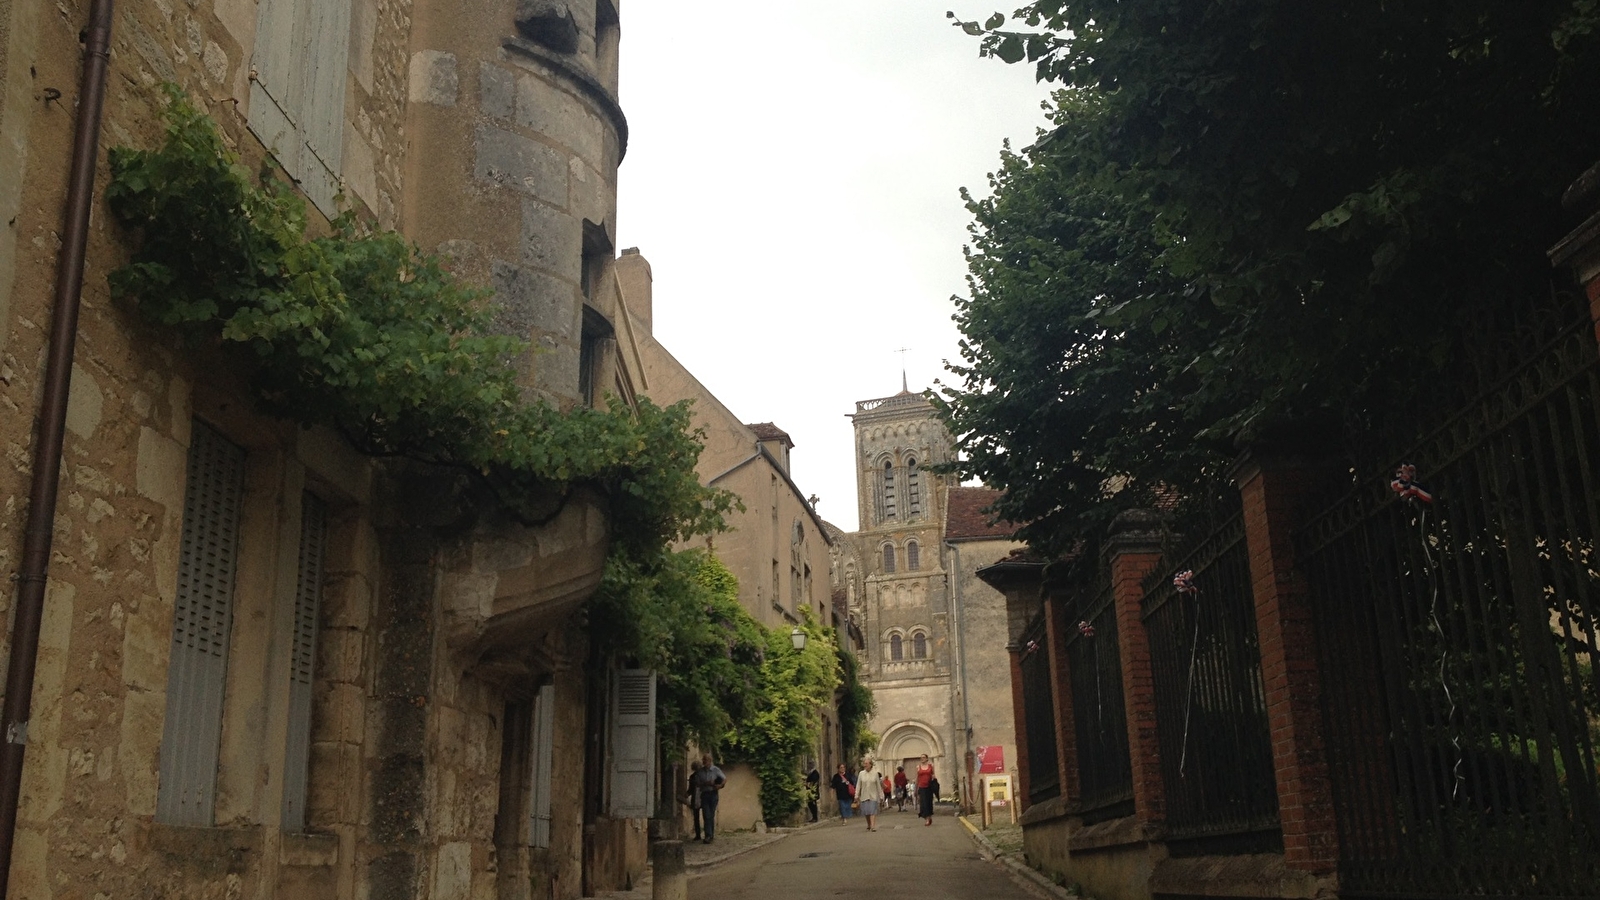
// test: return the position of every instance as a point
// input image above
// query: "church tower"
(897, 578)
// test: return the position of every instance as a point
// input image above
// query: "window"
(913, 490)
(888, 489)
(541, 755)
(595, 331)
(919, 645)
(897, 650)
(307, 604)
(888, 558)
(297, 92)
(777, 592)
(797, 538)
(202, 621)
(913, 556)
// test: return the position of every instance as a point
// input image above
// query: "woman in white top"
(869, 793)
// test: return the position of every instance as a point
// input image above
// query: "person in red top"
(900, 788)
(925, 790)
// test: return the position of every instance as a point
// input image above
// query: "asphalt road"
(902, 859)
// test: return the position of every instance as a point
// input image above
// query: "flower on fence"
(1085, 629)
(1405, 484)
(1184, 582)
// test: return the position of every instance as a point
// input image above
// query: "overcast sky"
(792, 176)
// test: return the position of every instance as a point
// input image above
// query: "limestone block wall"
(983, 684)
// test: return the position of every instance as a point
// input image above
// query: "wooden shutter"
(303, 657)
(202, 619)
(633, 755)
(297, 97)
(540, 757)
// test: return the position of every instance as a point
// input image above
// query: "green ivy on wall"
(360, 331)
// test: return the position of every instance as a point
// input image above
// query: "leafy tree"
(1252, 214)
(855, 706)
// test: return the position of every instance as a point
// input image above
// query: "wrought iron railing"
(1211, 715)
(1038, 701)
(1105, 775)
(1458, 643)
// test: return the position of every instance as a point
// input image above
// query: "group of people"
(868, 791)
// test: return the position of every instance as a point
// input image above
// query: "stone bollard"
(669, 880)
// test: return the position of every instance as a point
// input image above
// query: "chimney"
(633, 274)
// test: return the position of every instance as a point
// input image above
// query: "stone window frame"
(887, 555)
(919, 639)
(913, 556)
(896, 644)
(913, 489)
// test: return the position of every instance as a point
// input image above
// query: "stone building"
(777, 546)
(934, 635)
(382, 685)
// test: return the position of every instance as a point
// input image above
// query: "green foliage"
(855, 706)
(1252, 215)
(363, 333)
(685, 621)
(785, 725)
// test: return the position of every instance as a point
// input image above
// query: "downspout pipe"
(47, 446)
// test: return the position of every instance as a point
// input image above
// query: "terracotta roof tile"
(766, 431)
(965, 518)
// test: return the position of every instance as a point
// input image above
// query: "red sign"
(992, 760)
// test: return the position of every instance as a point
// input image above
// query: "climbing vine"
(783, 728)
(360, 331)
(855, 708)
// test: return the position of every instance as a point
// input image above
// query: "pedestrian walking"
(869, 793)
(925, 790)
(693, 794)
(844, 790)
(813, 792)
(708, 782)
(900, 782)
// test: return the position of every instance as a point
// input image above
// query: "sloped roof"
(766, 431)
(965, 519)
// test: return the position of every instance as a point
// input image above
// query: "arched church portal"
(908, 741)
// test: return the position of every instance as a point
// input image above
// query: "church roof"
(766, 431)
(966, 520)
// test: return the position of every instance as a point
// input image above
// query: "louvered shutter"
(541, 756)
(302, 665)
(633, 755)
(202, 619)
(297, 97)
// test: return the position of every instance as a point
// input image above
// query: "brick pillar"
(1274, 489)
(1055, 630)
(1133, 551)
(1019, 721)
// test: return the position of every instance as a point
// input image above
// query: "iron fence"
(1038, 701)
(1100, 722)
(1211, 714)
(1457, 647)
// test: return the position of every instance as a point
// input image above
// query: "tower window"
(919, 646)
(897, 648)
(888, 558)
(913, 490)
(913, 556)
(888, 489)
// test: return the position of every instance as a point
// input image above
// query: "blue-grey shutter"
(297, 95)
(633, 753)
(541, 752)
(197, 672)
(302, 665)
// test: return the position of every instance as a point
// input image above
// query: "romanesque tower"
(896, 579)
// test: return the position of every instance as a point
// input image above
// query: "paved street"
(903, 859)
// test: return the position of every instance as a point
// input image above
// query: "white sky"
(792, 176)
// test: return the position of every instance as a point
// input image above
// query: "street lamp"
(797, 637)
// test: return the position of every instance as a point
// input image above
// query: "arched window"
(913, 556)
(913, 491)
(919, 646)
(888, 558)
(888, 489)
(897, 648)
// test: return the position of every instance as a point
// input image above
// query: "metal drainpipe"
(52, 426)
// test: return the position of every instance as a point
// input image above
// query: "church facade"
(934, 635)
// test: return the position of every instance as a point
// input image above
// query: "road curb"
(991, 853)
(715, 861)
